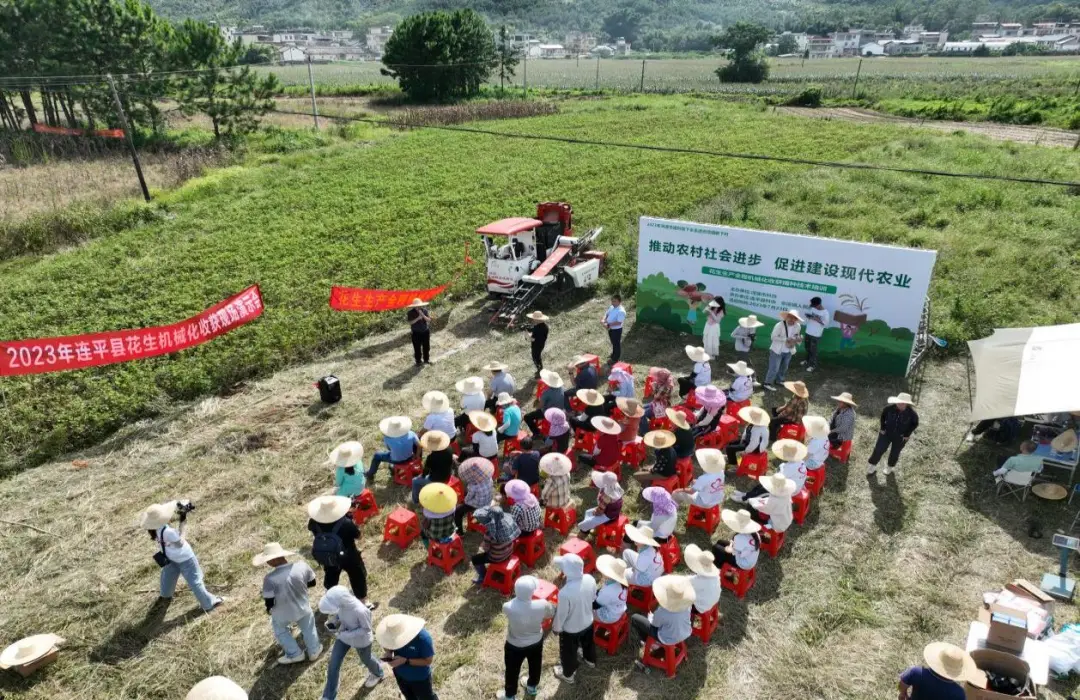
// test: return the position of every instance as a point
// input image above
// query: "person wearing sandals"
(352, 625)
(742, 550)
(525, 619)
(609, 502)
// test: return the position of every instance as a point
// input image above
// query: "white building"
(552, 51)
(622, 47)
(292, 54)
(375, 41)
(874, 48)
(603, 51)
(820, 46)
(850, 42)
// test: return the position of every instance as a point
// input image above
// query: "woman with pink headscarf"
(665, 513)
(558, 435)
(712, 401)
(526, 509)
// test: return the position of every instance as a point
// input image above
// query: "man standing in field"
(817, 320)
(898, 422)
(613, 321)
(419, 318)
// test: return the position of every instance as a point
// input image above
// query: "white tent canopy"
(1021, 371)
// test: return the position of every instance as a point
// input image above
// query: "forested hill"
(650, 24)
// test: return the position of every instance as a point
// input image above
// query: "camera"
(184, 507)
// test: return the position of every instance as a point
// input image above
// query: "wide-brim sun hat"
(417, 302)
(711, 460)
(710, 396)
(216, 688)
(328, 509)
(641, 535)
(157, 515)
(579, 360)
(434, 441)
(505, 399)
(1065, 442)
(845, 397)
(486, 467)
(605, 425)
(590, 397)
(700, 561)
(674, 592)
(271, 551)
(816, 426)
(470, 385)
(659, 439)
(902, 397)
(552, 379)
(483, 421)
(517, 489)
(778, 485)
(495, 367)
(788, 450)
(754, 415)
(696, 353)
(435, 402)
(750, 321)
(791, 313)
(740, 522)
(438, 498)
(397, 630)
(952, 662)
(347, 454)
(556, 464)
(741, 368)
(631, 408)
(677, 417)
(538, 316)
(603, 480)
(798, 388)
(28, 650)
(612, 568)
(395, 426)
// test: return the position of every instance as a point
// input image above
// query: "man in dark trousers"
(613, 321)
(334, 546)
(539, 335)
(419, 318)
(898, 422)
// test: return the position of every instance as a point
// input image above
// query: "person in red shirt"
(608, 444)
(632, 412)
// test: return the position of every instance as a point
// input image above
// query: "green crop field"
(396, 211)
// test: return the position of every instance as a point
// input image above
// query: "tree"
(982, 50)
(786, 45)
(747, 64)
(256, 54)
(507, 56)
(440, 55)
(625, 23)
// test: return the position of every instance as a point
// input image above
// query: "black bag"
(329, 389)
(327, 549)
(159, 557)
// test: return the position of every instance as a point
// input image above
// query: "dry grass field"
(881, 567)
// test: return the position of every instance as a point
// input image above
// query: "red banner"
(357, 299)
(81, 351)
(63, 131)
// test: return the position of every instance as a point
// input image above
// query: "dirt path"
(1039, 135)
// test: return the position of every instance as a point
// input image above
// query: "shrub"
(810, 97)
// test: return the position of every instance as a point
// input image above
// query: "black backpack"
(329, 389)
(328, 547)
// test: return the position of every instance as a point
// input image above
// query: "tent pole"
(971, 400)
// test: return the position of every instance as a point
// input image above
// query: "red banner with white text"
(81, 351)
(357, 299)
(64, 131)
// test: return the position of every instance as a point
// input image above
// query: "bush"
(810, 97)
(753, 69)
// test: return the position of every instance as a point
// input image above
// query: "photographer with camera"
(174, 555)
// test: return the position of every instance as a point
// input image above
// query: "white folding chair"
(1016, 483)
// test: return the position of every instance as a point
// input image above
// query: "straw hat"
(556, 464)
(699, 561)
(798, 388)
(641, 535)
(714, 304)
(659, 439)
(395, 426)
(789, 450)
(952, 662)
(495, 367)
(157, 515)
(27, 651)
(470, 385)
(538, 316)
(740, 521)
(271, 551)
(417, 302)
(697, 354)
(902, 397)
(845, 397)
(435, 402)
(816, 426)
(505, 399)
(216, 688)
(612, 568)
(579, 360)
(397, 630)
(631, 408)
(791, 313)
(778, 485)
(328, 509)
(754, 415)
(347, 454)
(435, 440)
(678, 418)
(483, 421)
(438, 498)
(1066, 442)
(741, 368)
(674, 593)
(590, 397)
(552, 379)
(606, 425)
(712, 461)
(750, 322)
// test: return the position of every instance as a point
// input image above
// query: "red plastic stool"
(402, 527)
(842, 453)
(663, 656)
(541, 387)
(548, 591)
(611, 534)
(576, 404)
(649, 381)
(633, 453)
(584, 440)
(800, 506)
(530, 547)
(609, 636)
(737, 580)
(593, 360)
(501, 575)
(544, 426)
(661, 424)
(815, 480)
(754, 465)
(511, 444)
(472, 526)
(704, 624)
(792, 431)
(624, 366)
(684, 467)
(405, 472)
(364, 507)
(459, 488)
(691, 400)
(771, 541)
(728, 427)
(705, 518)
(669, 484)
(446, 555)
(641, 598)
(733, 407)
(560, 519)
(470, 430)
(581, 548)
(671, 553)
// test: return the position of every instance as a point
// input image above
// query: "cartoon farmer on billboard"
(695, 295)
(850, 322)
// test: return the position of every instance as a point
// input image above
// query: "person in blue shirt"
(402, 444)
(613, 321)
(511, 417)
(410, 652)
(947, 666)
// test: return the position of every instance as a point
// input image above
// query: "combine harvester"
(538, 256)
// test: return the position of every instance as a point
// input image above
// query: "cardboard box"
(1008, 629)
(1027, 589)
(999, 662)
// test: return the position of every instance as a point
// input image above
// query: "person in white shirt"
(485, 441)
(439, 416)
(610, 602)
(665, 513)
(614, 318)
(646, 564)
(574, 617)
(818, 319)
(714, 315)
(774, 509)
(755, 437)
(786, 335)
(175, 556)
(744, 335)
(472, 399)
(701, 375)
(743, 549)
(670, 623)
(742, 387)
(706, 579)
(817, 443)
(285, 593)
(708, 489)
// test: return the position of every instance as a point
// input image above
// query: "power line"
(699, 152)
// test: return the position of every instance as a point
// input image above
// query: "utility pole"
(641, 87)
(856, 86)
(597, 72)
(311, 84)
(525, 71)
(127, 137)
